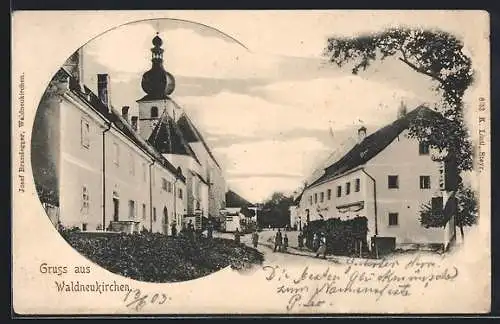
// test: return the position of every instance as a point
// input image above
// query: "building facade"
(168, 128)
(107, 177)
(386, 177)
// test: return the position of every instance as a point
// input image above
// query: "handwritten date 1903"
(136, 300)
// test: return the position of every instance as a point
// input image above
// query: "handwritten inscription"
(137, 300)
(376, 278)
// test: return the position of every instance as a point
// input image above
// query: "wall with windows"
(127, 192)
(406, 177)
(212, 174)
(80, 184)
(195, 191)
(127, 187)
(164, 190)
(342, 197)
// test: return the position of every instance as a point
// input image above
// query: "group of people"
(186, 230)
(318, 243)
(255, 237)
(280, 242)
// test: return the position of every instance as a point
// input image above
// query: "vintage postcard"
(251, 162)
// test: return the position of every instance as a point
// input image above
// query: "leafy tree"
(467, 214)
(247, 212)
(439, 56)
(434, 53)
(275, 211)
(466, 211)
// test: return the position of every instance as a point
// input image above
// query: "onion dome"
(157, 82)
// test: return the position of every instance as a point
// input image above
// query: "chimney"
(134, 123)
(125, 112)
(103, 89)
(361, 134)
(402, 110)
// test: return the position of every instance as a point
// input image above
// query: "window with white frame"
(329, 194)
(425, 182)
(357, 185)
(131, 209)
(393, 182)
(322, 197)
(393, 219)
(85, 133)
(423, 148)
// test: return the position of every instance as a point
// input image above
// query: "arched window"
(154, 112)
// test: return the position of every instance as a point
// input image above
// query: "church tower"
(158, 84)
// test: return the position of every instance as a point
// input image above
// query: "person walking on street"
(237, 236)
(301, 242)
(190, 230)
(285, 242)
(315, 243)
(278, 239)
(210, 229)
(174, 230)
(322, 246)
(255, 239)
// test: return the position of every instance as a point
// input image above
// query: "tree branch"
(420, 70)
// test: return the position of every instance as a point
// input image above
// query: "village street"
(293, 254)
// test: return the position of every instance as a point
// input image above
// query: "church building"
(99, 169)
(168, 128)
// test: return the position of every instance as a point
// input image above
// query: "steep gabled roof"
(116, 119)
(297, 199)
(196, 174)
(374, 144)
(167, 138)
(192, 134)
(233, 200)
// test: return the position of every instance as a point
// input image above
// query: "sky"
(267, 102)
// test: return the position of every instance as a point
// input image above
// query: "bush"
(342, 237)
(155, 257)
